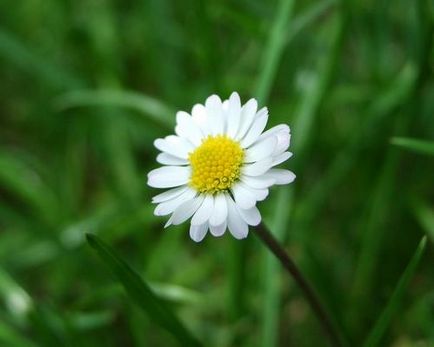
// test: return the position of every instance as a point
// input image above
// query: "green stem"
(273, 245)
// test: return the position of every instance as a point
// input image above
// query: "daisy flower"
(218, 166)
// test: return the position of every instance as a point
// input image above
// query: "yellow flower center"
(215, 164)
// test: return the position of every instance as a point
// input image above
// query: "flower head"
(218, 165)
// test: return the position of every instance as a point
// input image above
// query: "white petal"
(236, 225)
(258, 168)
(213, 105)
(283, 140)
(244, 197)
(167, 159)
(169, 194)
(281, 176)
(233, 115)
(187, 128)
(279, 159)
(252, 216)
(204, 212)
(274, 130)
(185, 211)
(248, 192)
(218, 230)
(261, 112)
(255, 131)
(174, 145)
(260, 194)
(198, 232)
(182, 116)
(167, 207)
(199, 116)
(215, 114)
(225, 105)
(169, 176)
(261, 150)
(220, 212)
(259, 182)
(248, 113)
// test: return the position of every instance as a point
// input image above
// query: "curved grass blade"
(152, 108)
(140, 292)
(392, 306)
(418, 146)
(425, 216)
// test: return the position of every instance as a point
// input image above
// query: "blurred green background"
(87, 85)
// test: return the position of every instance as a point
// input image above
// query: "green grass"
(395, 300)
(88, 85)
(141, 293)
(418, 146)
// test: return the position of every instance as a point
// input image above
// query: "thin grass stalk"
(273, 245)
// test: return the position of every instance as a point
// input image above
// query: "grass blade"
(270, 63)
(272, 274)
(425, 216)
(392, 306)
(308, 17)
(152, 108)
(418, 146)
(140, 292)
(382, 108)
(274, 50)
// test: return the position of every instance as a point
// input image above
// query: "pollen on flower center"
(215, 164)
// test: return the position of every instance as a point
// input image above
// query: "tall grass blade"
(272, 276)
(308, 17)
(270, 63)
(274, 50)
(303, 125)
(380, 327)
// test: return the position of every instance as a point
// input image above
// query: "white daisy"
(218, 165)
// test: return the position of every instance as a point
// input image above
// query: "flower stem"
(270, 241)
